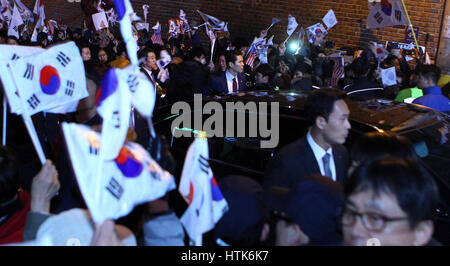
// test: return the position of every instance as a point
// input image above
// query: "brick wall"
(60, 10)
(247, 17)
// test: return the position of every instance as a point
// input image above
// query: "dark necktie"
(235, 85)
(326, 165)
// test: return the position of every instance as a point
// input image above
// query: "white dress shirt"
(230, 81)
(319, 152)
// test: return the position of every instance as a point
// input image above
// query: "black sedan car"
(427, 129)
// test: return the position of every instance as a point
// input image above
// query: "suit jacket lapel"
(310, 159)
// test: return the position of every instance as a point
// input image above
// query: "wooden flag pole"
(412, 28)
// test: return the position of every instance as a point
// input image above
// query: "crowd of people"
(314, 191)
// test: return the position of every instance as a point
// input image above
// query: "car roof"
(382, 114)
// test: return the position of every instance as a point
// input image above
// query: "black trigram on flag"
(93, 148)
(15, 57)
(15, 28)
(70, 88)
(33, 101)
(115, 188)
(378, 17)
(29, 72)
(133, 82)
(116, 119)
(63, 59)
(204, 165)
(398, 15)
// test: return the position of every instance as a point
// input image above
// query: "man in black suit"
(189, 77)
(230, 81)
(321, 150)
(149, 66)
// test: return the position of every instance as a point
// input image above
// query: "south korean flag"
(54, 78)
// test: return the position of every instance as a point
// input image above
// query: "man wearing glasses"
(389, 202)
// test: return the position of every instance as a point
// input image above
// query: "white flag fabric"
(146, 9)
(186, 27)
(274, 21)
(210, 32)
(16, 21)
(5, 11)
(52, 78)
(330, 19)
(112, 16)
(388, 13)
(131, 178)
(114, 106)
(315, 29)
(142, 26)
(428, 59)
(25, 12)
(40, 23)
(120, 89)
(292, 25)
(100, 21)
(126, 16)
(11, 53)
(100, 6)
(389, 77)
(262, 49)
(215, 23)
(379, 51)
(200, 190)
(37, 5)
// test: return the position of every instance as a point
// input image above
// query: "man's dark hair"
(304, 68)
(321, 103)
(3, 34)
(416, 193)
(8, 175)
(84, 44)
(361, 66)
(42, 36)
(231, 57)
(349, 51)
(121, 48)
(12, 38)
(374, 145)
(196, 52)
(432, 72)
(266, 70)
(145, 52)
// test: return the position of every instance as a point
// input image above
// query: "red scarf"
(11, 231)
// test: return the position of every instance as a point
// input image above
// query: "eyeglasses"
(371, 221)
